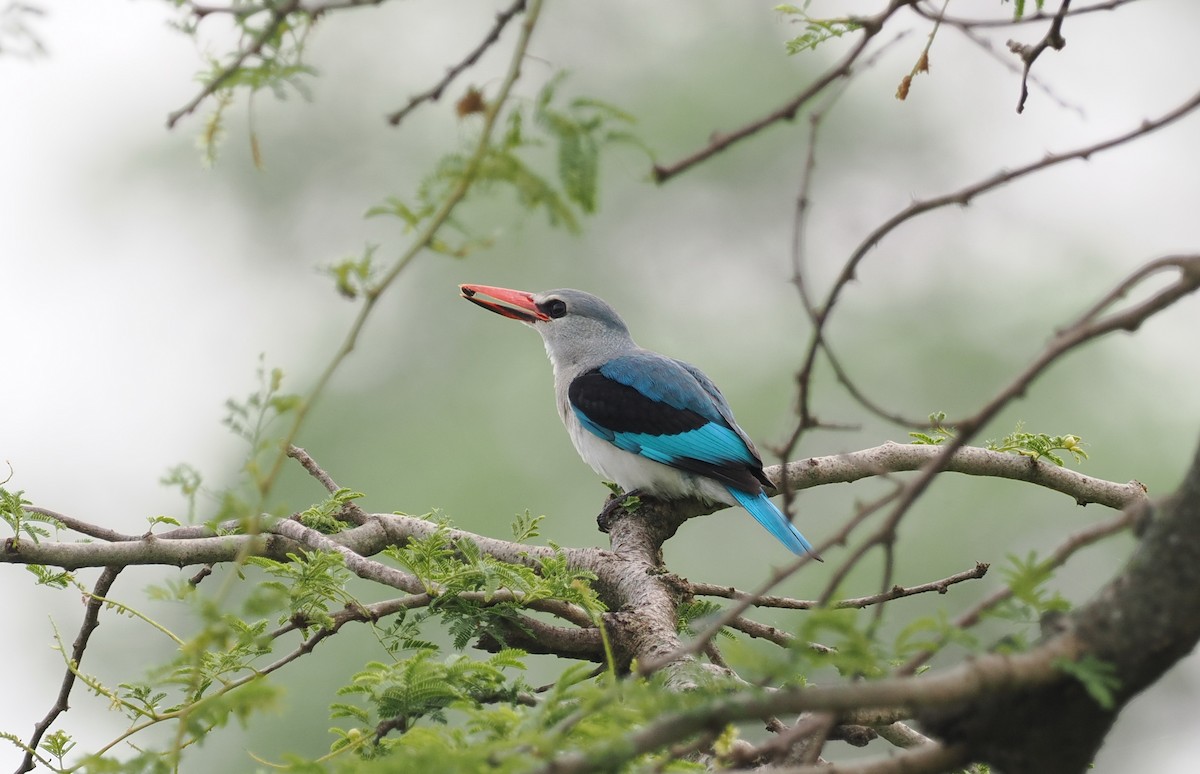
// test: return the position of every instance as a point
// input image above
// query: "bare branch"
(961, 197)
(1029, 18)
(434, 94)
(534, 636)
(871, 26)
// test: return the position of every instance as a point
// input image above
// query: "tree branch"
(891, 457)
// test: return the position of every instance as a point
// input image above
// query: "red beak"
(515, 304)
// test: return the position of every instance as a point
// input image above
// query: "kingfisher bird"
(652, 424)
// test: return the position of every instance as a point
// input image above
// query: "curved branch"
(871, 26)
(892, 457)
(961, 197)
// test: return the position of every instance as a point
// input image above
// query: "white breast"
(632, 471)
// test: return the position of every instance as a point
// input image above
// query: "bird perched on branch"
(654, 425)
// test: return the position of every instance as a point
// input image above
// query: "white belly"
(632, 471)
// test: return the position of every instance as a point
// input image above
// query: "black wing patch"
(611, 409)
(620, 408)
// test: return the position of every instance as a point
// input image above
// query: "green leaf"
(1039, 445)
(816, 31)
(23, 522)
(47, 577)
(525, 527)
(937, 432)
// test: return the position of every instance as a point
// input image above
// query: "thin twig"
(896, 592)
(1029, 54)
(91, 620)
(1058, 558)
(1029, 18)
(434, 94)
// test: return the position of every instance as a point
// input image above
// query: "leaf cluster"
(422, 687)
(1019, 7)
(251, 419)
(271, 57)
(816, 31)
(1099, 678)
(501, 726)
(1036, 446)
(1040, 446)
(306, 586)
(31, 524)
(1029, 600)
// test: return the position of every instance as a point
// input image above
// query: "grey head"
(579, 329)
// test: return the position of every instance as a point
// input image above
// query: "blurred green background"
(142, 287)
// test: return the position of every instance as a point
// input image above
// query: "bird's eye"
(555, 307)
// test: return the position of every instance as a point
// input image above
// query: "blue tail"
(766, 514)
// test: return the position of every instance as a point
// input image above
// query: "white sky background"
(130, 310)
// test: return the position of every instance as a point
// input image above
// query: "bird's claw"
(611, 510)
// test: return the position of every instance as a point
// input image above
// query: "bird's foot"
(613, 507)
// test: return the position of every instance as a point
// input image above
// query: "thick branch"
(192, 545)
(990, 675)
(894, 457)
